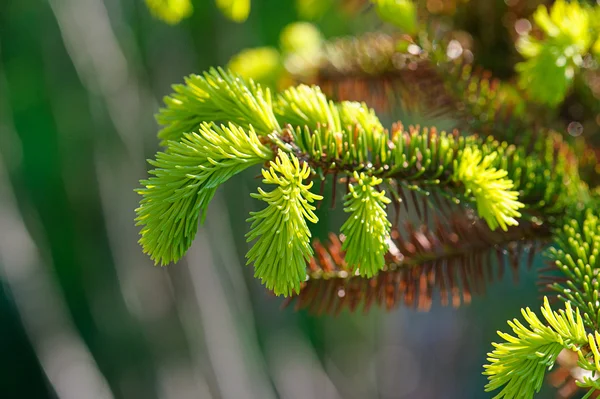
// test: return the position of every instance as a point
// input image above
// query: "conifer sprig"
(577, 257)
(343, 139)
(496, 200)
(519, 364)
(523, 188)
(282, 246)
(307, 107)
(367, 228)
(216, 96)
(184, 180)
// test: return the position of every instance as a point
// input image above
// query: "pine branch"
(367, 228)
(524, 184)
(308, 107)
(496, 203)
(455, 260)
(184, 180)
(519, 364)
(344, 140)
(216, 96)
(283, 238)
(578, 243)
(576, 256)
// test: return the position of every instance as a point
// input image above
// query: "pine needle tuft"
(496, 203)
(184, 180)
(367, 227)
(282, 248)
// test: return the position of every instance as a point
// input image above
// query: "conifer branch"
(519, 364)
(496, 203)
(307, 107)
(184, 180)
(453, 261)
(339, 139)
(367, 228)
(283, 238)
(576, 256)
(527, 186)
(216, 96)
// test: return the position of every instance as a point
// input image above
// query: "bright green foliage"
(342, 139)
(216, 96)
(545, 79)
(496, 202)
(282, 246)
(518, 365)
(170, 11)
(551, 63)
(577, 256)
(353, 114)
(401, 13)
(426, 161)
(307, 106)
(343, 149)
(367, 228)
(184, 181)
(568, 22)
(236, 10)
(262, 64)
(592, 363)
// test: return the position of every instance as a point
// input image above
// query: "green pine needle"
(496, 203)
(353, 114)
(184, 181)
(519, 364)
(307, 106)
(577, 256)
(367, 228)
(282, 248)
(216, 96)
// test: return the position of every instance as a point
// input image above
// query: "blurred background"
(85, 314)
